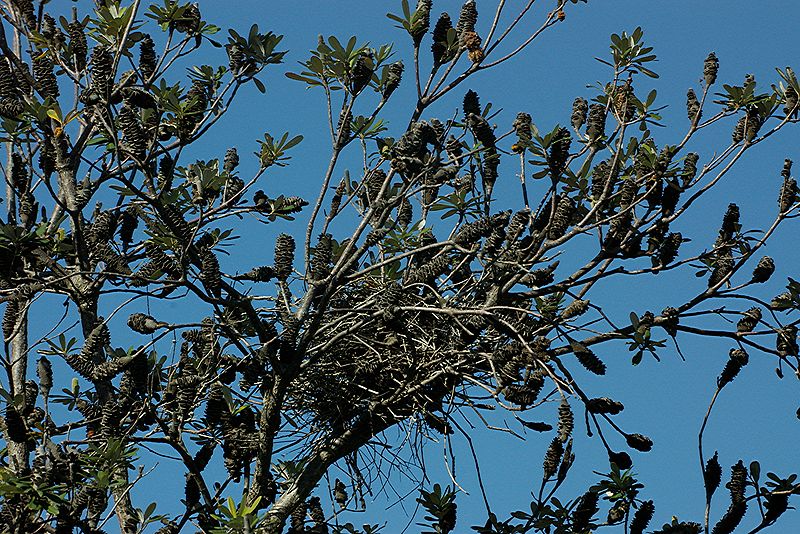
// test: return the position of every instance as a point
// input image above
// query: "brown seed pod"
(284, 256)
(147, 59)
(642, 517)
(394, 75)
(763, 270)
(710, 69)
(596, 122)
(135, 139)
(565, 209)
(737, 359)
(693, 107)
(639, 442)
(786, 342)
(723, 266)
(738, 482)
(210, 273)
(566, 420)
(580, 110)
(712, 475)
(620, 459)
(439, 49)
(589, 359)
(604, 405)
(143, 323)
(44, 77)
(471, 104)
(466, 20)
(575, 308)
(321, 257)
(101, 64)
(749, 320)
(788, 193)
(552, 458)
(559, 152)
(584, 511)
(738, 132)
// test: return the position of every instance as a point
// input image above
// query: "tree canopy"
(407, 298)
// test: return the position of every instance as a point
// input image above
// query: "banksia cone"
(552, 458)
(723, 266)
(693, 107)
(321, 257)
(422, 21)
(731, 519)
(190, 21)
(471, 232)
(749, 320)
(596, 122)
(203, 456)
(134, 135)
(95, 342)
(737, 359)
(790, 101)
(471, 104)
(14, 308)
(215, 405)
(143, 323)
(710, 69)
(102, 61)
(620, 459)
(472, 42)
(559, 152)
(589, 360)
(439, 46)
(362, 73)
(43, 75)
(584, 511)
(739, 130)
(787, 341)
(405, 213)
(77, 45)
(231, 161)
(191, 492)
(565, 208)
(340, 493)
(27, 11)
(669, 248)
(776, 505)
(147, 59)
(566, 420)
(209, 272)
(639, 442)
(788, 192)
(576, 308)
(175, 222)
(670, 197)
(427, 272)
(393, 78)
(284, 256)
(129, 221)
(712, 475)
(738, 482)
(259, 274)
(730, 223)
(522, 127)
(580, 109)
(466, 20)
(604, 405)
(44, 372)
(642, 517)
(763, 270)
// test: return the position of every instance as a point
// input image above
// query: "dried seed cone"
(439, 47)
(467, 20)
(639, 442)
(566, 420)
(472, 104)
(559, 152)
(147, 59)
(736, 360)
(44, 76)
(101, 64)
(786, 343)
(620, 459)
(738, 131)
(776, 506)
(14, 308)
(231, 160)
(576, 308)
(738, 482)
(642, 517)
(790, 101)
(44, 372)
(604, 405)
(215, 405)
(712, 475)
(322, 258)
(203, 456)
(749, 320)
(596, 122)
(585, 511)
(129, 221)
(191, 491)
(552, 458)
(565, 208)
(362, 73)
(731, 519)
(692, 107)
(723, 266)
(763, 270)
(589, 360)
(788, 195)
(393, 78)
(710, 68)
(210, 273)
(77, 45)
(143, 323)
(422, 18)
(133, 132)
(284, 256)
(580, 110)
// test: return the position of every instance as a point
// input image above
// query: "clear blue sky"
(755, 415)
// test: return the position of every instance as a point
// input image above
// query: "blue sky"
(755, 415)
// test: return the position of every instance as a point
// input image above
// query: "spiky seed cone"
(739, 130)
(618, 512)
(361, 74)
(786, 172)
(596, 122)
(604, 405)
(340, 493)
(710, 68)
(15, 425)
(394, 75)
(566, 420)
(561, 218)
(231, 160)
(576, 308)
(133, 132)
(203, 456)
(101, 63)
(642, 517)
(422, 21)
(620, 459)
(731, 519)
(788, 195)
(129, 221)
(95, 342)
(284, 256)
(467, 19)
(790, 101)
(738, 482)
(77, 45)
(552, 458)
(639, 442)
(786, 343)
(45, 78)
(209, 272)
(749, 320)
(143, 323)
(559, 152)
(730, 223)
(692, 107)
(44, 372)
(669, 248)
(589, 360)
(580, 110)
(298, 519)
(439, 48)
(712, 475)
(8, 86)
(321, 257)
(405, 213)
(584, 511)
(11, 315)
(471, 103)
(737, 359)
(147, 58)
(175, 222)
(723, 266)
(215, 405)
(191, 491)
(763, 270)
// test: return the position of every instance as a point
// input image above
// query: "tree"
(404, 295)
